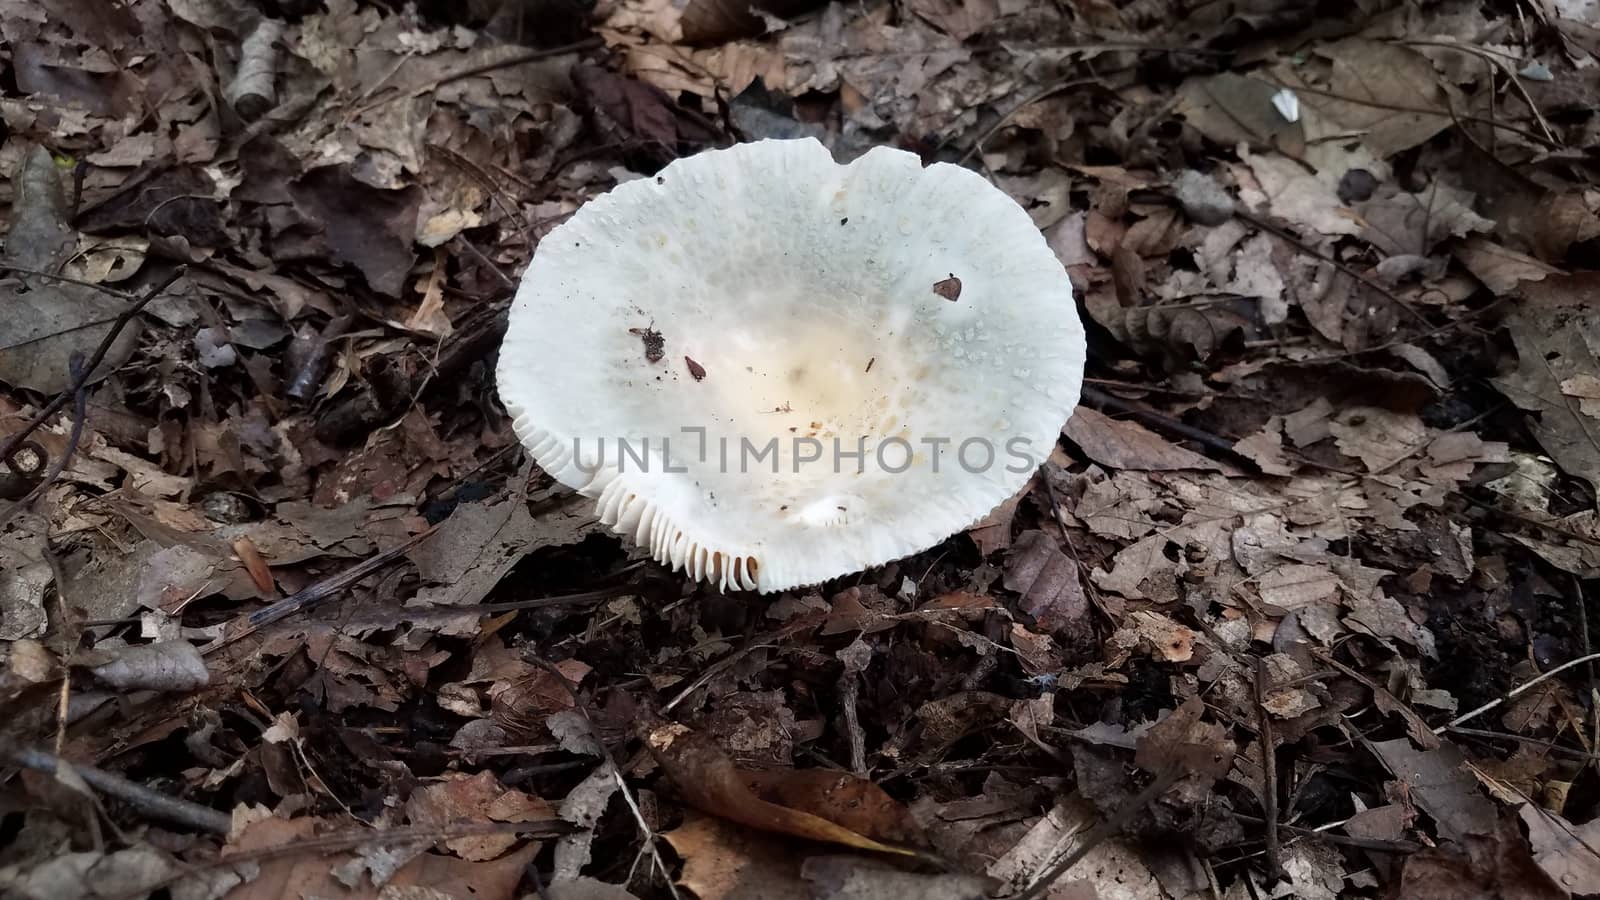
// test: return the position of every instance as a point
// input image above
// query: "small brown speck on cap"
(950, 288)
(695, 369)
(654, 343)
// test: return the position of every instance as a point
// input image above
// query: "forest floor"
(1299, 607)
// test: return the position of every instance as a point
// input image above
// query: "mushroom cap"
(764, 298)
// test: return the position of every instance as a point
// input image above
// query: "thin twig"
(1395, 107)
(1418, 725)
(485, 261)
(156, 804)
(1588, 649)
(1045, 93)
(529, 56)
(1495, 61)
(610, 762)
(594, 596)
(67, 279)
(1468, 716)
(73, 632)
(1098, 399)
(99, 355)
(245, 625)
(850, 694)
(1547, 746)
(1378, 844)
(1284, 234)
(1269, 774)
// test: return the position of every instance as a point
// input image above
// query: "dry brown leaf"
(1500, 269)
(1286, 695)
(311, 874)
(1556, 331)
(1121, 444)
(727, 69)
(709, 781)
(1155, 634)
(368, 228)
(1141, 571)
(993, 532)
(1291, 586)
(1051, 592)
(839, 797)
(1384, 82)
(1565, 217)
(1233, 109)
(1401, 223)
(1384, 617)
(429, 316)
(1265, 449)
(718, 21)
(960, 19)
(1441, 786)
(1123, 505)
(724, 861)
(1284, 188)
(481, 542)
(1185, 742)
(1378, 437)
(1566, 852)
(25, 576)
(1315, 870)
(1114, 863)
(171, 666)
(1480, 867)
(49, 321)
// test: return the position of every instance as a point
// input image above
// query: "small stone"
(1204, 201)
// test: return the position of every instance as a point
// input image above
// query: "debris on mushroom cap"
(852, 416)
(949, 288)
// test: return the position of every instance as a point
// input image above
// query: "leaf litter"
(1295, 607)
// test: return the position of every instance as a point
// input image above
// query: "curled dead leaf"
(711, 782)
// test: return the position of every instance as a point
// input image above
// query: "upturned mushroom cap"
(765, 298)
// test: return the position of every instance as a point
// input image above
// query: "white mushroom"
(703, 352)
